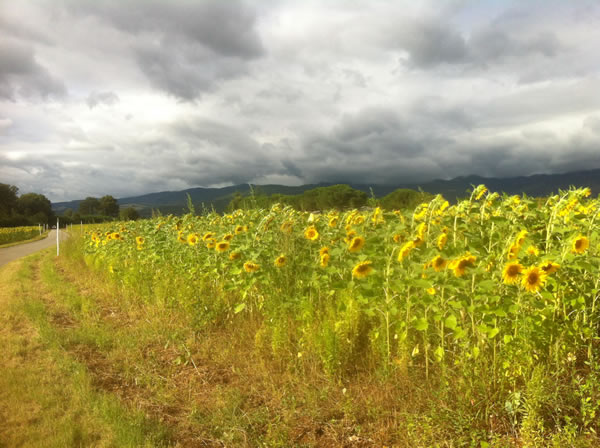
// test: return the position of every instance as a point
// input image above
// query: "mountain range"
(176, 201)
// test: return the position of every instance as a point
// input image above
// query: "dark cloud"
(22, 76)
(433, 41)
(184, 48)
(96, 98)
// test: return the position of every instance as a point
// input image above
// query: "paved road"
(9, 254)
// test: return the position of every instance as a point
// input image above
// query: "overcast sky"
(131, 97)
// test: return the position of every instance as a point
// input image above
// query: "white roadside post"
(57, 239)
(40, 228)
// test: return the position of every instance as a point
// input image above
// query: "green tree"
(36, 207)
(129, 214)
(108, 206)
(89, 206)
(404, 198)
(8, 199)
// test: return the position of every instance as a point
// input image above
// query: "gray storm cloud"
(106, 98)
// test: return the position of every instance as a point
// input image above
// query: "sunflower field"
(494, 299)
(15, 234)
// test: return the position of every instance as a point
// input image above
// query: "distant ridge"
(218, 198)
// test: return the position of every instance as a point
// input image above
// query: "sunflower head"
(356, 244)
(325, 257)
(362, 269)
(511, 274)
(239, 229)
(208, 236)
(311, 233)
(438, 263)
(234, 256)
(323, 250)
(405, 250)
(140, 240)
(441, 241)
(287, 227)
(222, 246)
(532, 250)
(580, 244)
(333, 221)
(250, 266)
(550, 267)
(228, 237)
(460, 265)
(192, 239)
(211, 243)
(280, 261)
(533, 279)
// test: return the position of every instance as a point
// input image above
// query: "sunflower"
(511, 274)
(140, 240)
(580, 244)
(405, 250)
(358, 220)
(234, 256)
(323, 250)
(280, 261)
(228, 237)
(549, 267)
(356, 244)
(115, 236)
(250, 266)
(362, 269)
(438, 263)
(311, 233)
(239, 229)
(222, 246)
(325, 259)
(532, 250)
(398, 238)
(211, 243)
(418, 241)
(533, 279)
(181, 238)
(208, 235)
(421, 229)
(287, 227)
(441, 241)
(513, 252)
(460, 265)
(192, 239)
(333, 221)
(481, 193)
(520, 240)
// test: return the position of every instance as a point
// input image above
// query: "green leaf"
(493, 332)
(451, 322)
(439, 354)
(487, 285)
(421, 324)
(239, 308)
(507, 338)
(422, 283)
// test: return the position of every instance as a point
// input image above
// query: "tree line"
(34, 208)
(25, 210)
(339, 197)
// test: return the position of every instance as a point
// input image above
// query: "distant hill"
(176, 201)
